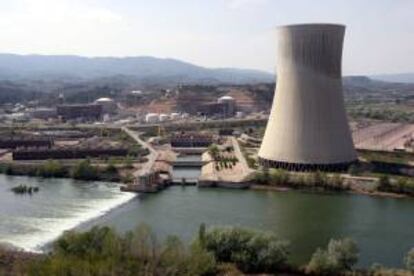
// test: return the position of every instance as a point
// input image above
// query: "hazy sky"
(213, 33)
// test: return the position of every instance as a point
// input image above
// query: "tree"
(336, 182)
(111, 167)
(251, 251)
(214, 151)
(340, 255)
(354, 169)
(83, 170)
(128, 162)
(409, 260)
(51, 168)
(384, 183)
(279, 177)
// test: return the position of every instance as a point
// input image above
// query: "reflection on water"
(381, 226)
(190, 172)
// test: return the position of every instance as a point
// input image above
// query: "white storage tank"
(108, 105)
(151, 117)
(175, 116)
(164, 117)
(239, 114)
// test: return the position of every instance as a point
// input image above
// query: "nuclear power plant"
(308, 128)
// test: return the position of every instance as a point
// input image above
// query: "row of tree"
(215, 251)
(279, 177)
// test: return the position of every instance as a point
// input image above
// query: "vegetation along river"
(383, 227)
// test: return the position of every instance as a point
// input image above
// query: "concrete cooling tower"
(308, 127)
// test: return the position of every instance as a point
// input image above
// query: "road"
(152, 156)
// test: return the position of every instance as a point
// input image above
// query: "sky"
(212, 33)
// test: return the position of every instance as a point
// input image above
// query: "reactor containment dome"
(308, 128)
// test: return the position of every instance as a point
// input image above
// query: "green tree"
(111, 167)
(409, 260)
(84, 170)
(251, 251)
(279, 177)
(214, 151)
(384, 183)
(51, 168)
(340, 255)
(129, 162)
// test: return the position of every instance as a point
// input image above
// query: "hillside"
(140, 69)
(402, 78)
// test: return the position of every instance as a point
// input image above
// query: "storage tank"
(152, 118)
(229, 105)
(308, 128)
(175, 116)
(108, 105)
(164, 117)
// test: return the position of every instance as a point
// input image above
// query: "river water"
(383, 227)
(29, 222)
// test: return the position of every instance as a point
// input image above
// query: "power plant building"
(80, 111)
(308, 128)
(108, 105)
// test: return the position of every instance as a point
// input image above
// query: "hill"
(402, 78)
(140, 69)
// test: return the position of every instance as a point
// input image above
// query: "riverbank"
(259, 187)
(83, 169)
(213, 251)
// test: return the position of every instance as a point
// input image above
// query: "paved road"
(152, 157)
(239, 155)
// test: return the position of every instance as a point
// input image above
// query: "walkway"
(152, 156)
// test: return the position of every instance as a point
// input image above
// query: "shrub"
(384, 183)
(214, 151)
(251, 251)
(128, 162)
(340, 255)
(51, 168)
(111, 167)
(83, 170)
(279, 177)
(409, 260)
(355, 169)
(101, 251)
(261, 177)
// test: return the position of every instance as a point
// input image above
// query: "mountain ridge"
(14, 66)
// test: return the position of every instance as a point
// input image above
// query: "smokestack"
(308, 128)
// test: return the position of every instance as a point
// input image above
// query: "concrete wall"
(308, 124)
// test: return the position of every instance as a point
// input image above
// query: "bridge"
(184, 181)
(188, 163)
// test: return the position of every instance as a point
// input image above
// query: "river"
(383, 227)
(30, 221)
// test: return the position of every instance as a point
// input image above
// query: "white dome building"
(108, 105)
(229, 105)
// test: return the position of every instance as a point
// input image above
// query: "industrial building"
(43, 113)
(80, 111)
(108, 105)
(308, 128)
(224, 107)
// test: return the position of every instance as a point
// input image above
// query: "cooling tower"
(308, 127)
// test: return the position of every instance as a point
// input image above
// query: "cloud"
(59, 27)
(64, 12)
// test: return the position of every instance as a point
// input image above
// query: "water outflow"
(29, 222)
